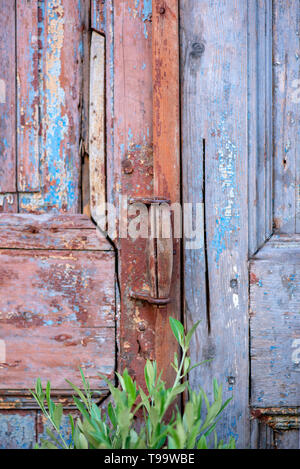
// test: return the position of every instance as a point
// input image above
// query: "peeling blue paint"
(228, 215)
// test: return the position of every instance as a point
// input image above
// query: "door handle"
(159, 252)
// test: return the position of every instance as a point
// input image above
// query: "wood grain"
(97, 130)
(7, 98)
(27, 96)
(49, 287)
(131, 144)
(61, 26)
(275, 332)
(260, 123)
(69, 348)
(216, 61)
(166, 163)
(286, 114)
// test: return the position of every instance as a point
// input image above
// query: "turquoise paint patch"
(228, 216)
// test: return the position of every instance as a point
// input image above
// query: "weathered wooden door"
(76, 133)
(57, 272)
(241, 160)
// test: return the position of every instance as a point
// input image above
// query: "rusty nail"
(162, 10)
(127, 166)
(233, 283)
(142, 326)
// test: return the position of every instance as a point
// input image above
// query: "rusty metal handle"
(159, 252)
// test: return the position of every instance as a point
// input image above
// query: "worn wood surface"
(275, 332)
(214, 47)
(166, 164)
(130, 171)
(62, 232)
(57, 286)
(17, 430)
(27, 59)
(98, 15)
(7, 98)
(260, 122)
(97, 168)
(286, 44)
(61, 45)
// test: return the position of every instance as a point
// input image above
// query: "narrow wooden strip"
(98, 15)
(27, 96)
(47, 221)
(131, 143)
(286, 113)
(193, 175)
(260, 153)
(7, 97)
(166, 157)
(97, 129)
(32, 237)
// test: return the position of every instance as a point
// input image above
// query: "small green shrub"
(116, 429)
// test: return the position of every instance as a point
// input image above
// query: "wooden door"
(240, 159)
(57, 271)
(76, 133)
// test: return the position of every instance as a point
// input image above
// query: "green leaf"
(178, 330)
(57, 415)
(190, 334)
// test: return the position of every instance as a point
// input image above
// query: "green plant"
(116, 429)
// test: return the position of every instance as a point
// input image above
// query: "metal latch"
(159, 251)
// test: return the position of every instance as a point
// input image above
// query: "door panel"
(240, 97)
(57, 271)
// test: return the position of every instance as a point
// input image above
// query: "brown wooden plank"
(166, 160)
(131, 143)
(47, 221)
(56, 353)
(27, 96)
(31, 237)
(47, 288)
(98, 15)
(7, 97)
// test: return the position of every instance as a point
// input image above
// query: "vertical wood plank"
(195, 265)
(7, 98)
(286, 44)
(166, 156)
(27, 96)
(131, 142)
(97, 128)
(98, 15)
(260, 148)
(219, 43)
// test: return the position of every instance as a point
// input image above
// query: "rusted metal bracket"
(159, 251)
